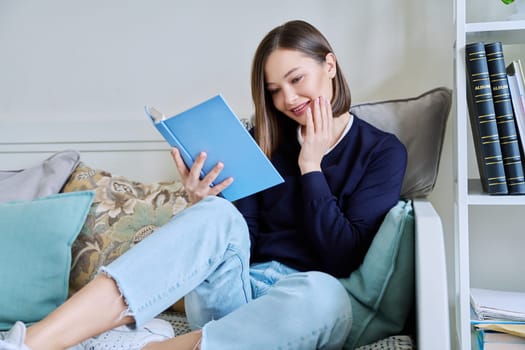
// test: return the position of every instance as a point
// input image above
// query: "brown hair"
(295, 35)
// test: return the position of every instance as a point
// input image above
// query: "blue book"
(213, 127)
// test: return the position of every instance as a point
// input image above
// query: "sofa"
(71, 203)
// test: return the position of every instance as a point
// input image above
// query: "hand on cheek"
(318, 135)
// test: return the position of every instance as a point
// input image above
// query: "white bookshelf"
(469, 197)
(477, 197)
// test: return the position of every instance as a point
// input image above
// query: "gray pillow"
(419, 123)
(43, 179)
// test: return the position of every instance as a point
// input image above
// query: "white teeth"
(296, 109)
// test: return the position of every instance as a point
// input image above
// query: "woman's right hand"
(195, 187)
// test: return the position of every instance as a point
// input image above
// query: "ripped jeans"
(202, 254)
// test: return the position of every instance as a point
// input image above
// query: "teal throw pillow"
(381, 290)
(35, 254)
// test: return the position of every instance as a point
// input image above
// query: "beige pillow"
(122, 214)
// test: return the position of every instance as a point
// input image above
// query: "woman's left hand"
(318, 135)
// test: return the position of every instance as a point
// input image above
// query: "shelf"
(470, 201)
(508, 32)
(477, 197)
(494, 26)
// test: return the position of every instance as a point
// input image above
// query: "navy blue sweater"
(326, 220)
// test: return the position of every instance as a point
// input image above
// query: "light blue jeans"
(202, 254)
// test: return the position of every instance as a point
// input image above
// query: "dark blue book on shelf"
(505, 118)
(483, 121)
(213, 127)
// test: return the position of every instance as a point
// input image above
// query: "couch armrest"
(433, 322)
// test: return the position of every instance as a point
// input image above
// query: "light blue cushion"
(35, 253)
(381, 290)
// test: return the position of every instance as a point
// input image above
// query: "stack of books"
(496, 103)
(497, 319)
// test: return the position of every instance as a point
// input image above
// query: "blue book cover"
(213, 127)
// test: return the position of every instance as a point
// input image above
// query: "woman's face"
(294, 80)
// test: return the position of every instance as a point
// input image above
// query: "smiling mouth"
(299, 110)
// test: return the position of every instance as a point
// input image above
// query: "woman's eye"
(297, 79)
(273, 91)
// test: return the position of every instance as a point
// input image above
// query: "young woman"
(261, 274)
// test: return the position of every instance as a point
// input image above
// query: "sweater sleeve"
(341, 226)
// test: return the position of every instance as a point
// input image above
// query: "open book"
(213, 127)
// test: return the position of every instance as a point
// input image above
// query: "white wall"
(99, 59)
(103, 60)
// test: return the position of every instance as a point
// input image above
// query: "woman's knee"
(224, 211)
(318, 292)
(320, 304)
(221, 209)
(224, 217)
(326, 294)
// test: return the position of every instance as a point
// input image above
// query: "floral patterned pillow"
(122, 214)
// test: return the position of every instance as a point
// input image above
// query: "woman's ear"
(331, 60)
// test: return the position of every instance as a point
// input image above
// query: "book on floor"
(212, 126)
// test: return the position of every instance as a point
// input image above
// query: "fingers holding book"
(196, 187)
